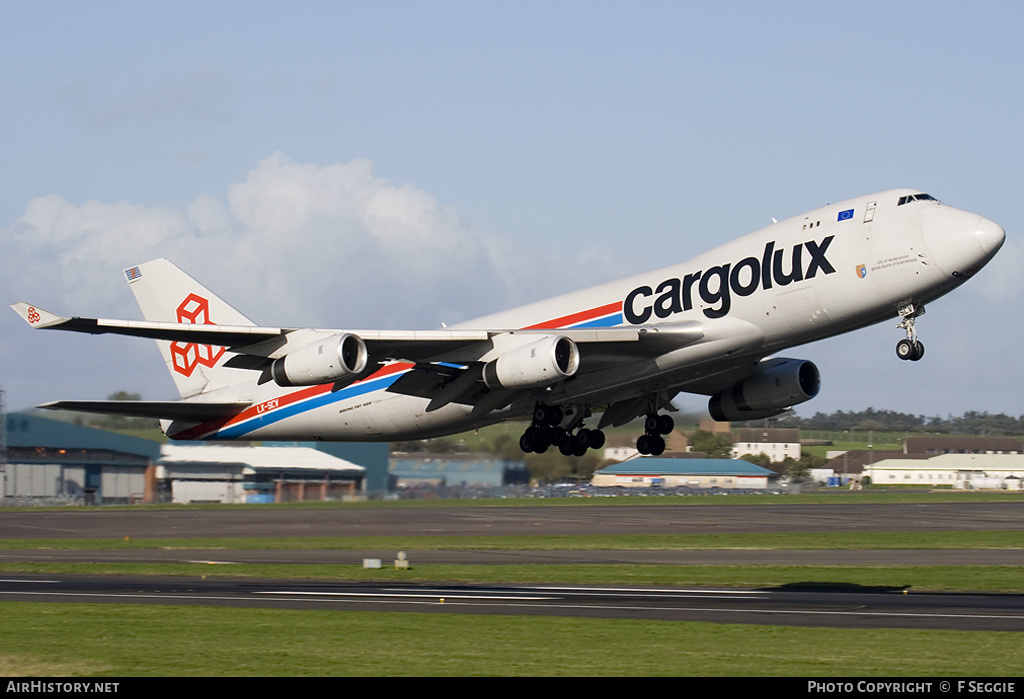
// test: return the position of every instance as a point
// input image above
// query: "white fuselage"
(826, 272)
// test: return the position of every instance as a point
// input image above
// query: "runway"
(851, 609)
(846, 606)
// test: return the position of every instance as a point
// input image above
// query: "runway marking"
(45, 529)
(403, 595)
(648, 592)
(41, 582)
(671, 591)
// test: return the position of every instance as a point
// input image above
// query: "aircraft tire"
(657, 446)
(643, 444)
(905, 349)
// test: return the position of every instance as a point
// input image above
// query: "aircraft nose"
(990, 236)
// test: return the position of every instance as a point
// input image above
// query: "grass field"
(67, 640)
(153, 641)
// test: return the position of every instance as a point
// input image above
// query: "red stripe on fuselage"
(574, 318)
(280, 402)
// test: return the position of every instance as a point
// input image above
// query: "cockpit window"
(915, 197)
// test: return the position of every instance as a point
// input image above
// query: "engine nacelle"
(336, 358)
(776, 385)
(539, 363)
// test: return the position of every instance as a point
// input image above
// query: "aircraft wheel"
(525, 445)
(545, 414)
(596, 439)
(918, 351)
(905, 349)
(657, 446)
(643, 444)
(557, 436)
(666, 424)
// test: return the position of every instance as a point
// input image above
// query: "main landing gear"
(546, 431)
(911, 348)
(651, 442)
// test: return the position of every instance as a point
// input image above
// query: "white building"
(779, 444)
(237, 474)
(967, 471)
(668, 472)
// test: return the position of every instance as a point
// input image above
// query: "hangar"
(236, 474)
(645, 472)
(53, 461)
(459, 470)
(963, 471)
(49, 461)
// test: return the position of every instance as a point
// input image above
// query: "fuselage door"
(869, 213)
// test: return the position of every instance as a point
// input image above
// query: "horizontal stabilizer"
(165, 410)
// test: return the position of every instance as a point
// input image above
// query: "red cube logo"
(186, 356)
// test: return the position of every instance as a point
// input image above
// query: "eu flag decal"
(845, 215)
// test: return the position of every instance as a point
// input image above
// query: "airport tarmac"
(466, 520)
(851, 607)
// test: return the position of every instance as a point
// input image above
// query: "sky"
(407, 164)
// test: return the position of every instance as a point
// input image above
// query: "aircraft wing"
(267, 342)
(218, 335)
(447, 364)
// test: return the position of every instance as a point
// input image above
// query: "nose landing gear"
(910, 348)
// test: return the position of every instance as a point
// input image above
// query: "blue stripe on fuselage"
(251, 425)
(606, 322)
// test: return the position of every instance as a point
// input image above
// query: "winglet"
(36, 316)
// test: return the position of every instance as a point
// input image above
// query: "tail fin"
(165, 293)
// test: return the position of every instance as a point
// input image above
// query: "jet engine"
(336, 358)
(539, 363)
(776, 385)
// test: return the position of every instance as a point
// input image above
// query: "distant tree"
(716, 445)
(970, 423)
(122, 422)
(762, 459)
(796, 470)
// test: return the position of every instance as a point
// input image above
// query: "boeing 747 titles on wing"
(619, 351)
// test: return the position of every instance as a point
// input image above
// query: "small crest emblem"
(862, 271)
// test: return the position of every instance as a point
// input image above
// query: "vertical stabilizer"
(165, 293)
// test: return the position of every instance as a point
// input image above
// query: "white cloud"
(330, 245)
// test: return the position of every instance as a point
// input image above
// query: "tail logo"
(186, 356)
